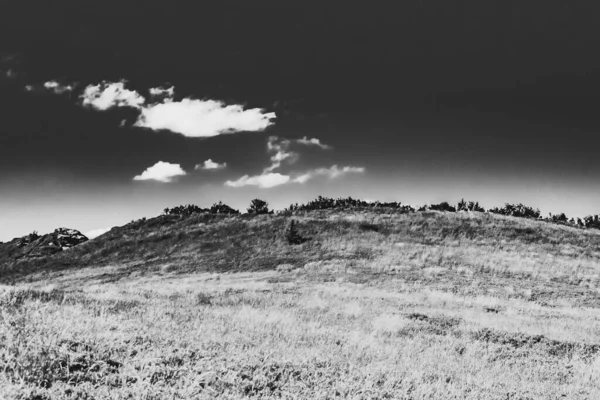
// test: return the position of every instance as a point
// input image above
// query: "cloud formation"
(161, 172)
(188, 117)
(57, 87)
(264, 181)
(111, 94)
(211, 165)
(280, 148)
(202, 118)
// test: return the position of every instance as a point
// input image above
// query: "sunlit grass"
(405, 312)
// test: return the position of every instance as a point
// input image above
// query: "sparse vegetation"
(469, 206)
(327, 203)
(517, 210)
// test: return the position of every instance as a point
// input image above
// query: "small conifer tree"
(292, 235)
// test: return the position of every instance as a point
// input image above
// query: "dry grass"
(430, 306)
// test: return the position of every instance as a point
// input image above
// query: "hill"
(35, 246)
(371, 304)
(381, 242)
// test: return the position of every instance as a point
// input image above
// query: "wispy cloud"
(57, 87)
(280, 148)
(331, 172)
(161, 172)
(313, 142)
(111, 94)
(211, 165)
(160, 91)
(263, 181)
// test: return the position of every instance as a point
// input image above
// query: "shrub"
(443, 206)
(517, 210)
(469, 206)
(558, 218)
(222, 208)
(592, 221)
(258, 206)
(185, 210)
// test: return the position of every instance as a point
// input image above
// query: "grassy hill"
(374, 304)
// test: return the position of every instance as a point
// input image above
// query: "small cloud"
(203, 118)
(313, 142)
(107, 95)
(332, 172)
(210, 164)
(57, 87)
(264, 181)
(29, 88)
(94, 233)
(161, 172)
(160, 91)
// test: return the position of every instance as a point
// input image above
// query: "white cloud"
(202, 118)
(57, 87)
(96, 232)
(188, 117)
(313, 142)
(160, 91)
(210, 164)
(111, 94)
(264, 181)
(332, 172)
(161, 172)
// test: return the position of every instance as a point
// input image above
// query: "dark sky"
(424, 100)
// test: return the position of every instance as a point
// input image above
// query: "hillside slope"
(449, 247)
(425, 305)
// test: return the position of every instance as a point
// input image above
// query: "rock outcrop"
(34, 245)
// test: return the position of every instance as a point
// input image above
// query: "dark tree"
(258, 206)
(292, 235)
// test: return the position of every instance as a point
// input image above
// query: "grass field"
(418, 306)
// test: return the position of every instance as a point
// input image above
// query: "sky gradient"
(422, 101)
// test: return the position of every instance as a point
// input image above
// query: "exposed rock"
(34, 245)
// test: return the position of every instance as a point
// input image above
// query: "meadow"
(426, 305)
